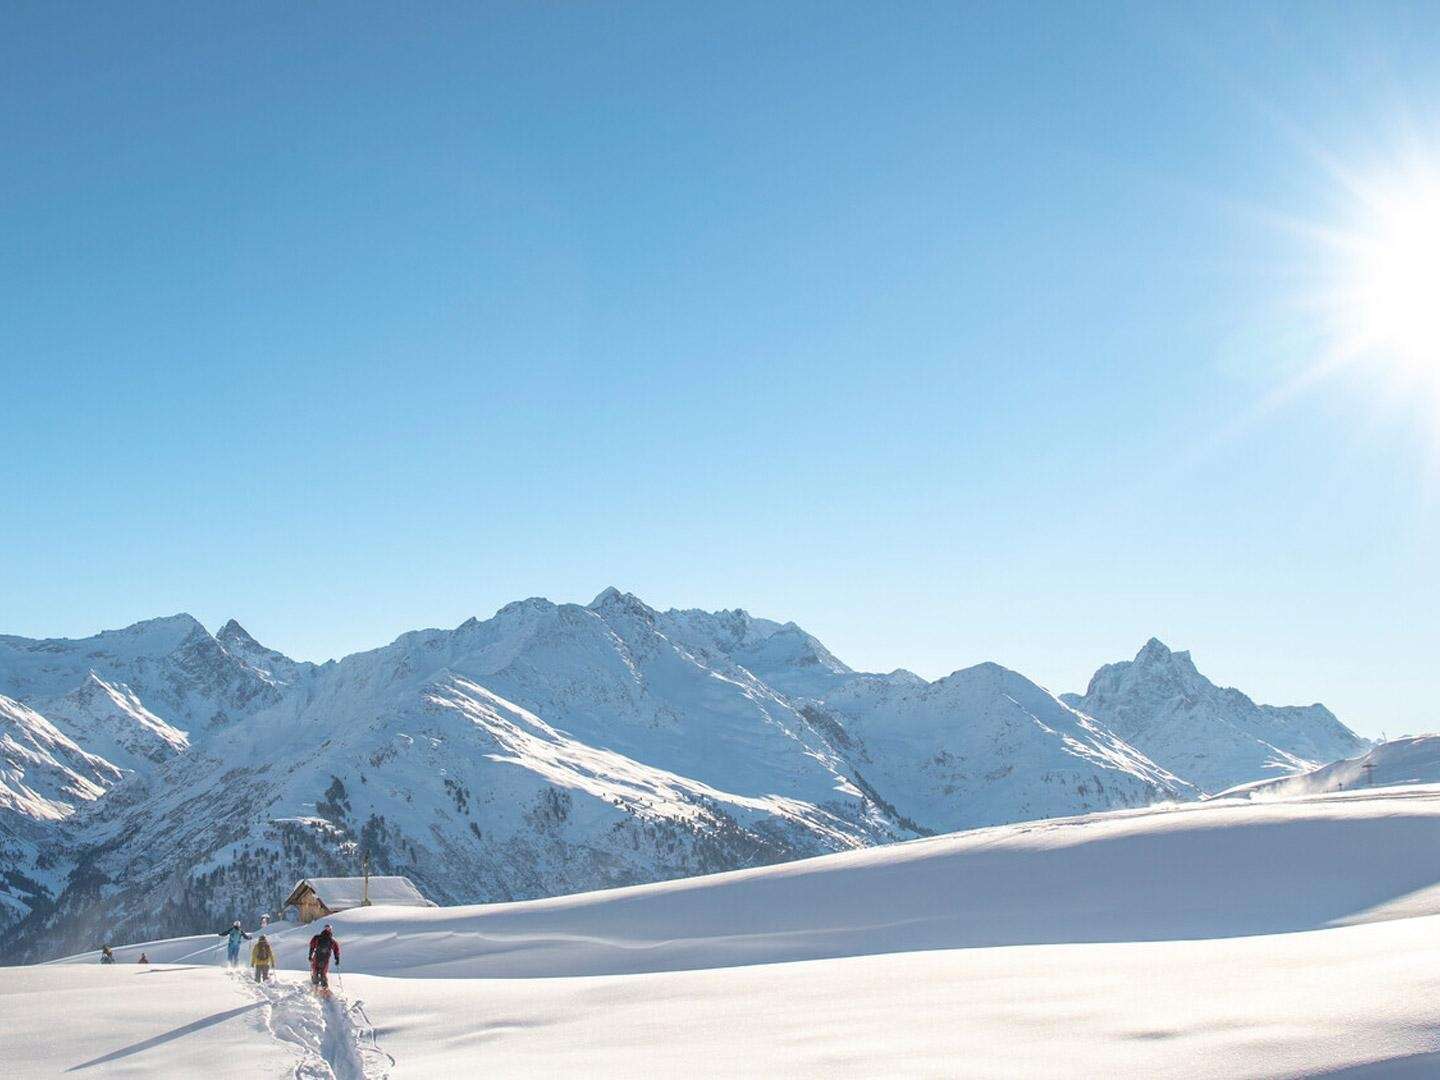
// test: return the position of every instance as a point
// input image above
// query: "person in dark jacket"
(143, 959)
(323, 947)
(106, 956)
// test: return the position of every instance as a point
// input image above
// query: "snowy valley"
(158, 778)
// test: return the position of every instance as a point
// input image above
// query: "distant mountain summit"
(274, 667)
(782, 655)
(180, 672)
(984, 746)
(1215, 737)
(157, 778)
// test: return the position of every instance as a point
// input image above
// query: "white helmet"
(236, 923)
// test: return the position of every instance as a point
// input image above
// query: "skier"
(143, 959)
(322, 947)
(262, 958)
(232, 947)
(264, 921)
(106, 956)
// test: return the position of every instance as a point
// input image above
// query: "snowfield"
(1272, 937)
(134, 1021)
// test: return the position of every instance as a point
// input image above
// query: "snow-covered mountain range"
(156, 778)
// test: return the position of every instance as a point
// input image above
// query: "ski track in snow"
(324, 1031)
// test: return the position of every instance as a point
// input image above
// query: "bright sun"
(1397, 288)
(1371, 294)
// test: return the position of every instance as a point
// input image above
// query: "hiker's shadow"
(169, 968)
(174, 1033)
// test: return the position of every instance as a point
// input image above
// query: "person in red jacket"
(323, 947)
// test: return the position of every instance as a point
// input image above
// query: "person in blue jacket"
(232, 947)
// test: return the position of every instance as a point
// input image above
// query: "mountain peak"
(1156, 654)
(607, 595)
(987, 672)
(272, 666)
(181, 621)
(233, 631)
(1154, 650)
(611, 598)
(164, 634)
(1212, 735)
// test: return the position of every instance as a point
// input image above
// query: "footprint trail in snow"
(323, 1030)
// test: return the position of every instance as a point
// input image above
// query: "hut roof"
(339, 893)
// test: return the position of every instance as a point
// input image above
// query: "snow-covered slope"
(1112, 945)
(1355, 1002)
(141, 1022)
(45, 777)
(1213, 736)
(44, 774)
(984, 746)
(1144, 875)
(1414, 759)
(108, 719)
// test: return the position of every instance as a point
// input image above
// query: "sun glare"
(1397, 291)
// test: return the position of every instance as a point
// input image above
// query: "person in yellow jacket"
(262, 958)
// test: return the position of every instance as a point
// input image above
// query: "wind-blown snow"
(1414, 759)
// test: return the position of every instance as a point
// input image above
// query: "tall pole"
(365, 866)
(1369, 768)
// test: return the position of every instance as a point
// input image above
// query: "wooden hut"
(314, 898)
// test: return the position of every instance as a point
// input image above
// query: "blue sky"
(952, 332)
